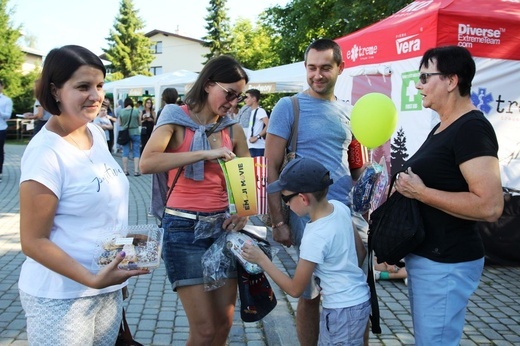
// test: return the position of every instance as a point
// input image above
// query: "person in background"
(233, 112)
(179, 141)
(129, 118)
(39, 115)
(102, 121)
(112, 117)
(6, 110)
(169, 96)
(243, 116)
(72, 193)
(324, 134)
(140, 106)
(116, 147)
(328, 254)
(455, 177)
(385, 271)
(258, 121)
(147, 122)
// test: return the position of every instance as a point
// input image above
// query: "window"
(157, 47)
(155, 70)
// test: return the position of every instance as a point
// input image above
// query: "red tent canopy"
(488, 28)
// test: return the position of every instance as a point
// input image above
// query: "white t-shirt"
(93, 200)
(329, 242)
(258, 114)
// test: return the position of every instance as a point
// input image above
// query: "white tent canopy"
(290, 78)
(134, 82)
(140, 85)
(177, 80)
(286, 78)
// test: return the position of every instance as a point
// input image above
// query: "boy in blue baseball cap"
(327, 250)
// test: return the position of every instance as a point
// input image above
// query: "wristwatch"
(258, 136)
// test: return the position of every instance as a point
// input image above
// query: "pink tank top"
(208, 195)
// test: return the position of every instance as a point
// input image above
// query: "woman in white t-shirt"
(72, 192)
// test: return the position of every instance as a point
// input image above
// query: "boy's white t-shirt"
(329, 242)
(258, 126)
(93, 200)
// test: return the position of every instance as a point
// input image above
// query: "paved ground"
(156, 316)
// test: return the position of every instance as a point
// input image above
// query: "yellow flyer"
(242, 183)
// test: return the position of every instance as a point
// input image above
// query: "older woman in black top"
(455, 176)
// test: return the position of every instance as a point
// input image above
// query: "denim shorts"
(182, 254)
(135, 141)
(344, 326)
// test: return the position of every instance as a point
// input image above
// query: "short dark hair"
(255, 93)
(223, 69)
(323, 44)
(170, 95)
(59, 66)
(321, 194)
(452, 60)
(128, 102)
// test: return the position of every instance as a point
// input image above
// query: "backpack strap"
(294, 128)
(254, 119)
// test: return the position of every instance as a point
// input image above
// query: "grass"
(23, 141)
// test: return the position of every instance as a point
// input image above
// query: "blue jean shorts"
(182, 254)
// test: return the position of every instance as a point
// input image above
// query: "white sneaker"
(377, 274)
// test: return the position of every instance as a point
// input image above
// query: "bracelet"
(279, 224)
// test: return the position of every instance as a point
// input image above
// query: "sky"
(87, 23)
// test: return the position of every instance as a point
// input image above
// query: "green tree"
(24, 101)
(218, 37)
(296, 24)
(129, 50)
(398, 151)
(11, 56)
(251, 45)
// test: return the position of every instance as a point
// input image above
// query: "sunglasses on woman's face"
(423, 77)
(231, 95)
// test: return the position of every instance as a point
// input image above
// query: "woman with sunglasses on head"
(455, 176)
(181, 140)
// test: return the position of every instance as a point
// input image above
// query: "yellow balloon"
(373, 119)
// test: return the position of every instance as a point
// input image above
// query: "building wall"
(177, 53)
(31, 61)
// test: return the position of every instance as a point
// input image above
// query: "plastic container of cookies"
(142, 245)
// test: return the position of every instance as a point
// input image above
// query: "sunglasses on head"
(423, 77)
(287, 198)
(231, 95)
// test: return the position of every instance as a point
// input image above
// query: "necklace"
(76, 143)
(213, 136)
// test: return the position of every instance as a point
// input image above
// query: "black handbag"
(257, 298)
(396, 227)
(125, 337)
(123, 137)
